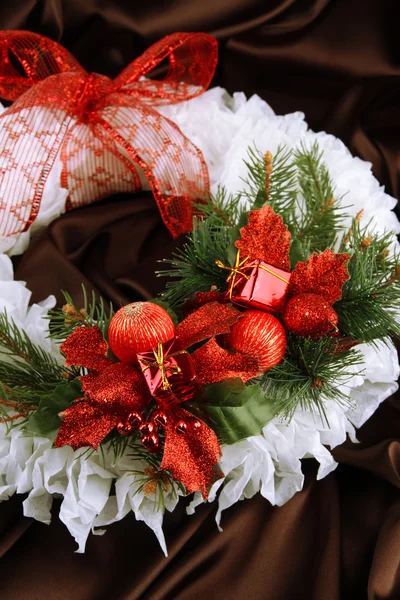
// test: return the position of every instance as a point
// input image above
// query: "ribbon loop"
(37, 58)
(192, 62)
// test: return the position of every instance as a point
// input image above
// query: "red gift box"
(259, 285)
(169, 372)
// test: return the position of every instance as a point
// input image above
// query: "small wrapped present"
(256, 284)
(169, 372)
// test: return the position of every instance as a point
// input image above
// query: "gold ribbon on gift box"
(237, 269)
(159, 362)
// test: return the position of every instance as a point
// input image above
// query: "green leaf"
(45, 420)
(233, 410)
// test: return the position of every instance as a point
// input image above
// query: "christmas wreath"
(271, 342)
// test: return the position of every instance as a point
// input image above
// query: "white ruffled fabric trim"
(270, 463)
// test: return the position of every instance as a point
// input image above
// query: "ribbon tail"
(192, 58)
(32, 132)
(37, 57)
(174, 167)
(191, 457)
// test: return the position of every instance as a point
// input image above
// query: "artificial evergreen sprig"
(25, 368)
(310, 374)
(64, 320)
(194, 265)
(369, 307)
(272, 180)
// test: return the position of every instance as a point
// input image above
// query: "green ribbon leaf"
(233, 410)
(45, 421)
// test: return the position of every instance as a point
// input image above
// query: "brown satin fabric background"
(338, 61)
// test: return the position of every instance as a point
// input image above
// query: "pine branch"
(272, 180)
(63, 321)
(298, 186)
(369, 308)
(193, 266)
(320, 216)
(24, 364)
(309, 375)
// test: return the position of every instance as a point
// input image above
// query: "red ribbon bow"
(105, 131)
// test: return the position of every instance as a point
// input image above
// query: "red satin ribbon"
(107, 132)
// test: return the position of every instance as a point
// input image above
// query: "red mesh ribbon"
(106, 131)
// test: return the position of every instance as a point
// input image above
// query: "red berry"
(160, 419)
(124, 428)
(181, 427)
(147, 428)
(151, 442)
(134, 419)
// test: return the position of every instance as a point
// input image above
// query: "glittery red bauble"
(310, 315)
(138, 327)
(262, 336)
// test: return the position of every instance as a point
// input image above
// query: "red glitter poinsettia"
(113, 390)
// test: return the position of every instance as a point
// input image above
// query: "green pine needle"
(64, 320)
(369, 308)
(309, 375)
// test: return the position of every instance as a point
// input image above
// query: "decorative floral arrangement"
(270, 343)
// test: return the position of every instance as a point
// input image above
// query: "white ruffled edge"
(270, 463)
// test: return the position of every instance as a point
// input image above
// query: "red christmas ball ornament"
(310, 315)
(138, 327)
(262, 336)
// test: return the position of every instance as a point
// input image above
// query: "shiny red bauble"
(262, 336)
(138, 327)
(310, 315)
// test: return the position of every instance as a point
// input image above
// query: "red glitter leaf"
(212, 363)
(209, 320)
(191, 457)
(265, 238)
(322, 274)
(110, 397)
(86, 347)
(120, 385)
(202, 298)
(86, 423)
